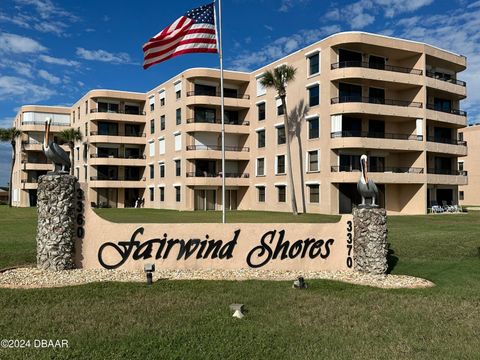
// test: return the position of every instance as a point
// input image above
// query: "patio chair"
(436, 209)
(447, 207)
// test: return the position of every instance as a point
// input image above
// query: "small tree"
(70, 136)
(278, 79)
(10, 135)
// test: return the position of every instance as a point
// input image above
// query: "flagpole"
(220, 53)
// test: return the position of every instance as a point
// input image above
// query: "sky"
(54, 51)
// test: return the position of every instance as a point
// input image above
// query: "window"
(460, 166)
(106, 107)
(314, 193)
(261, 167)
(314, 95)
(77, 150)
(281, 135)
(178, 168)
(78, 112)
(260, 88)
(460, 136)
(178, 142)
(282, 193)
(177, 194)
(313, 160)
(162, 170)
(151, 148)
(261, 193)
(314, 64)
(152, 126)
(162, 122)
(279, 107)
(152, 195)
(161, 146)
(261, 138)
(461, 195)
(162, 194)
(178, 90)
(152, 171)
(313, 128)
(86, 107)
(151, 102)
(179, 116)
(261, 111)
(77, 172)
(280, 165)
(161, 95)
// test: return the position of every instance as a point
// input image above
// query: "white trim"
(284, 63)
(312, 183)
(177, 132)
(161, 90)
(313, 116)
(280, 184)
(264, 165)
(259, 75)
(177, 158)
(261, 185)
(284, 164)
(307, 162)
(177, 184)
(161, 162)
(313, 52)
(161, 185)
(151, 186)
(277, 125)
(261, 102)
(151, 141)
(161, 137)
(259, 129)
(312, 84)
(177, 81)
(151, 163)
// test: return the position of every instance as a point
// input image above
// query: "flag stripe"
(193, 32)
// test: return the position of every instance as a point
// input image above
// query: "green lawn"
(191, 319)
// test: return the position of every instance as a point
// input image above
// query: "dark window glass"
(134, 110)
(152, 174)
(179, 116)
(280, 110)
(282, 190)
(281, 164)
(204, 115)
(177, 194)
(260, 167)
(314, 193)
(313, 64)
(178, 169)
(152, 198)
(261, 138)
(314, 95)
(261, 111)
(281, 135)
(313, 128)
(162, 170)
(261, 194)
(162, 122)
(152, 126)
(162, 194)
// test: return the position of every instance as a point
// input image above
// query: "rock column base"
(370, 245)
(56, 222)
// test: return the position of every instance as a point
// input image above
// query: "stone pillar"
(370, 247)
(56, 222)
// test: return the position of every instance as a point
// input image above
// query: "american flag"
(191, 33)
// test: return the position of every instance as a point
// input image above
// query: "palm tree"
(70, 136)
(278, 79)
(11, 135)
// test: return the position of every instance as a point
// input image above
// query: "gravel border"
(27, 278)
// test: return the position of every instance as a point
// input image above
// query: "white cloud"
(105, 56)
(52, 79)
(395, 7)
(6, 122)
(279, 48)
(268, 27)
(475, 4)
(12, 43)
(46, 9)
(22, 90)
(58, 61)
(80, 83)
(21, 68)
(286, 5)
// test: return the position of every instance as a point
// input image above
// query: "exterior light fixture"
(149, 269)
(300, 283)
(238, 311)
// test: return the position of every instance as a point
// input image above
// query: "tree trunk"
(72, 157)
(291, 186)
(11, 174)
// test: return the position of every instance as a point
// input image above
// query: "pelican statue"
(54, 152)
(365, 186)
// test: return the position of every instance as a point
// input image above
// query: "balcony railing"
(363, 64)
(31, 142)
(374, 100)
(217, 147)
(114, 178)
(447, 172)
(216, 94)
(218, 121)
(375, 135)
(94, 133)
(446, 79)
(216, 175)
(53, 123)
(29, 181)
(447, 141)
(380, 169)
(117, 112)
(104, 156)
(450, 111)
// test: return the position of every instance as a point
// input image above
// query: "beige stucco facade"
(470, 194)
(397, 101)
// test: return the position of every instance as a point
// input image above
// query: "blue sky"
(53, 51)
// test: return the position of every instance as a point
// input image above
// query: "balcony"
(384, 169)
(118, 138)
(95, 133)
(42, 123)
(447, 176)
(93, 111)
(218, 121)
(446, 79)
(447, 141)
(362, 64)
(213, 98)
(454, 172)
(117, 160)
(208, 179)
(216, 148)
(102, 181)
(114, 178)
(446, 110)
(217, 94)
(376, 101)
(375, 135)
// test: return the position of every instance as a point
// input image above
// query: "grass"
(191, 320)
